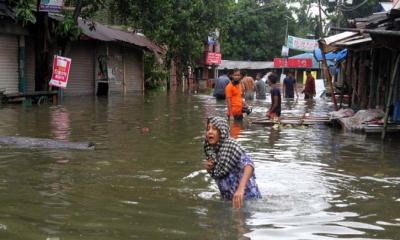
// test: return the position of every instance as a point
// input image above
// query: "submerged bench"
(27, 142)
(37, 96)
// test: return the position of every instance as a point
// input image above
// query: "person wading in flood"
(289, 86)
(248, 87)
(233, 93)
(275, 109)
(229, 165)
(260, 87)
(220, 84)
(309, 87)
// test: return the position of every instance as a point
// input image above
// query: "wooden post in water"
(372, 89)
(394, 75)
(328, 74)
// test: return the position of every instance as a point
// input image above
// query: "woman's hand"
(209, 165)
(237, 201)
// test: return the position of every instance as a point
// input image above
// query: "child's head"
(258, 76)
(217, 129)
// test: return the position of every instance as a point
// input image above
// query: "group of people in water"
(226, 160)
(237, 85)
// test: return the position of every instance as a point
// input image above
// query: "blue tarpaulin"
(335, 57)
(396, 112)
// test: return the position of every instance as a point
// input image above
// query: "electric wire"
(345, 8)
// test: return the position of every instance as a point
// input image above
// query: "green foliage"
(155, 74)
(351, 12)
(68, 30)
(180, 25)
(88, 8)
(254, 31)
(25, 11)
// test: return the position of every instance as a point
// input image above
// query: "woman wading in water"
(228, 163)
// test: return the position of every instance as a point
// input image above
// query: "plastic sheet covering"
(342, 113)
(396, 112)
(361, 118)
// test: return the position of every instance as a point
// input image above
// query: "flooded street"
(145, 180)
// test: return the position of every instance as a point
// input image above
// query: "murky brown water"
(317, 182)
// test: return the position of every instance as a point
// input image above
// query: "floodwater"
(145, 180)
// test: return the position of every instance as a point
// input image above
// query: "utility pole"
(285, 58)
(320, 19)
(338, 12)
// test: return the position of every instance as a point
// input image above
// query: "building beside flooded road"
(105, 59)
(369, 76)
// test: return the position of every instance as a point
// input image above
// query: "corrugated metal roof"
(104, 33)
(345, 39)
(339, 37)
(228, 64)
(354, 42)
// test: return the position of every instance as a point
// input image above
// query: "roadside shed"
(12, 43)
(107, 60)
(371, 70)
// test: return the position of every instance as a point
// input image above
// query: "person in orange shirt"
(233, 94)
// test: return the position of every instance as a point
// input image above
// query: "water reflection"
(317, 183)
(235, 127)
(60, 123)
(306, 197)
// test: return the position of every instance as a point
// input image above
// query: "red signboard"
(61, 66)
(213, 58)
(292, 62)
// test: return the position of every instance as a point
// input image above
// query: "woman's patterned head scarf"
(226, 155)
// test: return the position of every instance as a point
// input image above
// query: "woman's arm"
(238, 197)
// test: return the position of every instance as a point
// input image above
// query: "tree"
(358, 9)
(182, 26)
(255, 30)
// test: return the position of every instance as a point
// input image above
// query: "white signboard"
(50, 5)
(285, 51)
(302, 44)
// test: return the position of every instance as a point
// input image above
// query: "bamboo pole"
(328, 74)
(380, 77)
(371, 79)
(394, 75)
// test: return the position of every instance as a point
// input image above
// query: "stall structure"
(370, 70)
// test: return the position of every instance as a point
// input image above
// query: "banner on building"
(61, 66)
(292, 62)
(51, 6)
(213, 58)
(302, 44)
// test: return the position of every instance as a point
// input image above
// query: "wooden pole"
(392, 80)
(371, 80)
(377, 32)
(328, 74)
